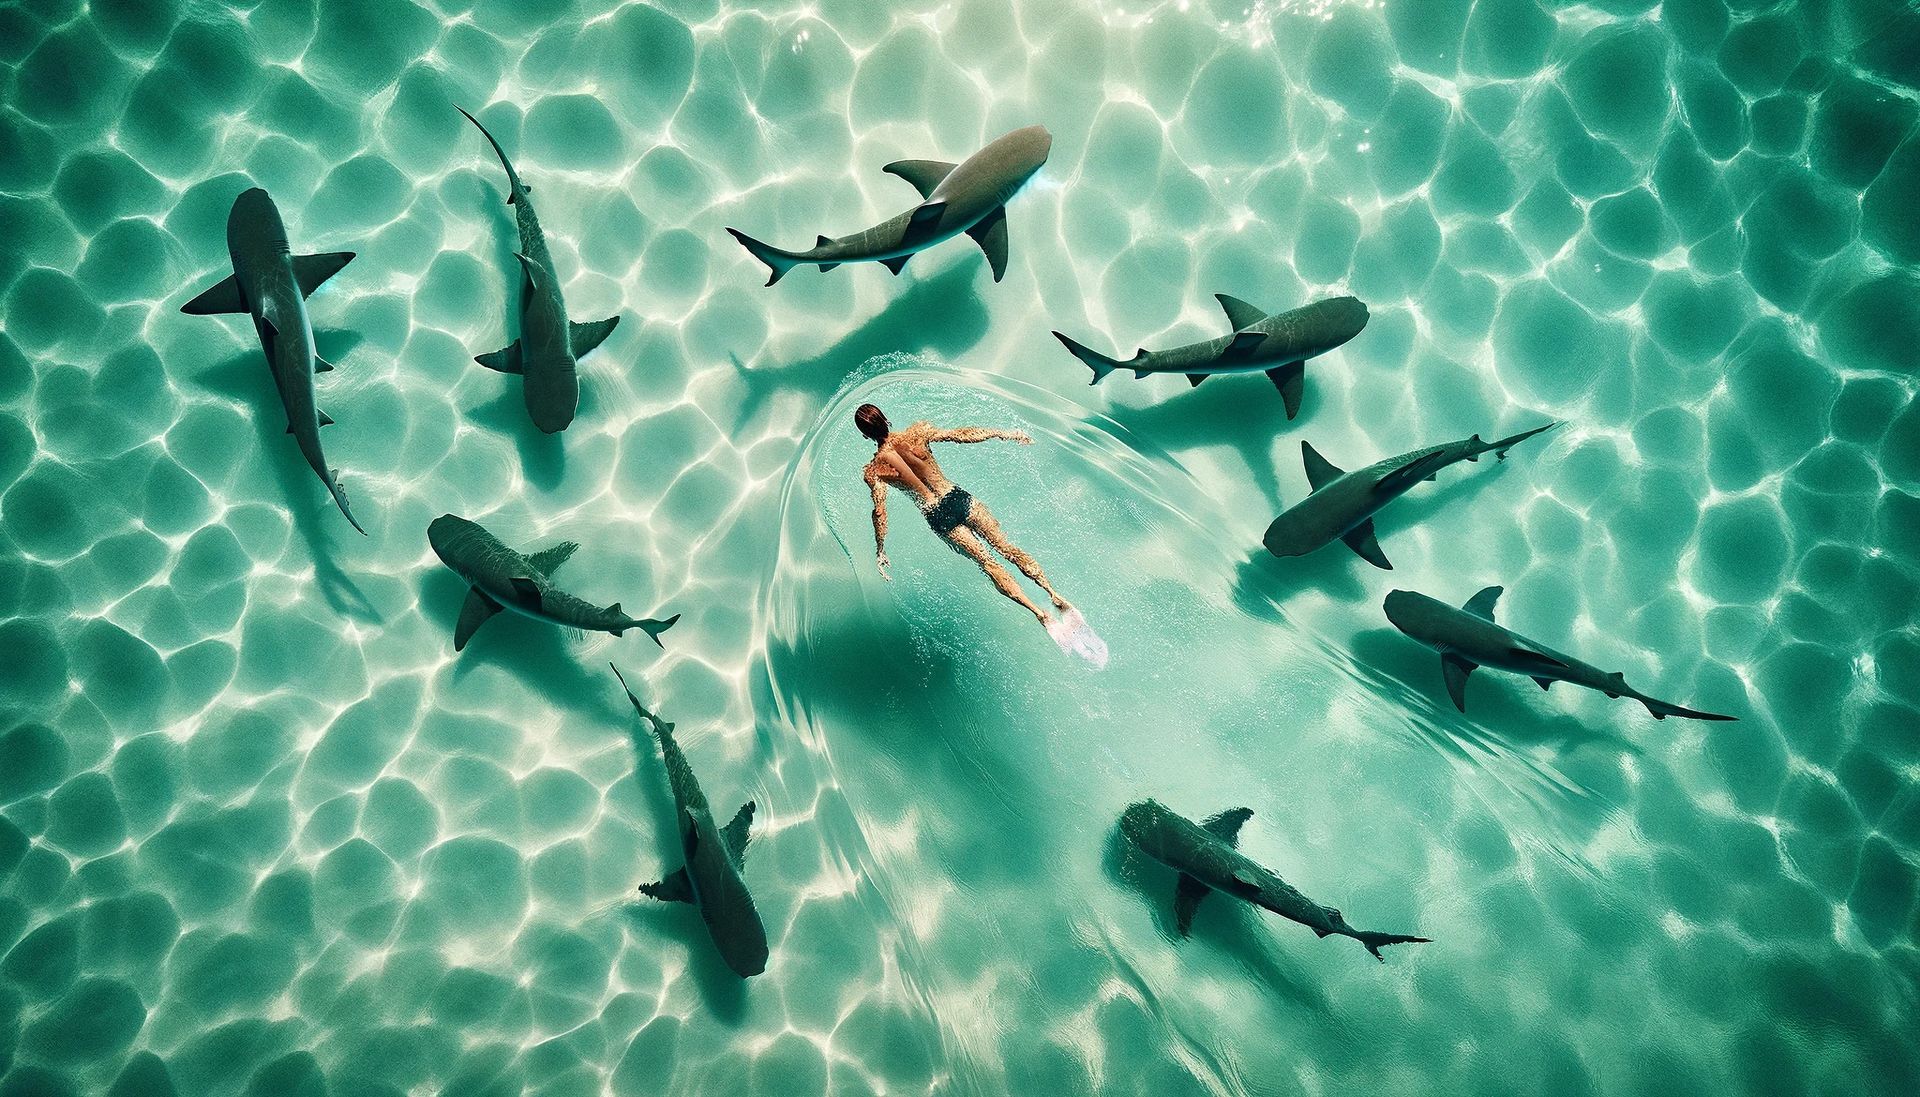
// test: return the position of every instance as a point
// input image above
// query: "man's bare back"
(905, 460)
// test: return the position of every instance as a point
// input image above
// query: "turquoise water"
(262, 832)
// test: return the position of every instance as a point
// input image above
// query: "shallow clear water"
(261, 831)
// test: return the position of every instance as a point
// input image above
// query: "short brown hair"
(871, 421)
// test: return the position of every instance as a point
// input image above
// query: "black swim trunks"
(949, 512)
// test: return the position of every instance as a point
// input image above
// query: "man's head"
(872, 422)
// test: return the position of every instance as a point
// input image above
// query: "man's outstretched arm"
(879, 523)
(980, 434)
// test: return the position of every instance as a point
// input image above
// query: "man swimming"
(906, 462)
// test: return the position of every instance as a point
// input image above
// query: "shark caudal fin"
(340, 497)
(1100, 364)
(778, 262)
(1662, 709)
(1377, 941)
(651, 627)
(1501, 447)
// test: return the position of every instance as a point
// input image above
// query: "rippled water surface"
(262, 832)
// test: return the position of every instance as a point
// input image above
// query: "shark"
(969, 197)
(550, 344)
(271, 284)
(1467, 638)
(715, 857)
(1276, 344)
(1208, 858)
(503, 579)
(1343, 504)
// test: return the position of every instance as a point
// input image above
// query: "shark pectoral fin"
(991, 234)
(1186, 899)
(923, 174)
(222, 296)
(1291, 380)
(1362, 541)
(321, 365)
(582, 338)
(1455, 670)
(1226, 825)
(311, 270)
(1481, 604)
(553, 556)
(824, 241)
(526, 588)
(1243, 344)
(504, 360)
(1239, 313)
(1411, 473)
(325, 419)
(676, 888)
(1193, 379)
(477, 610)
(895, 265)
(735, 834)
(1543, 683)
(1320, 471)
(923, 219)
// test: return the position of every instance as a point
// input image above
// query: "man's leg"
(967, 542)
(982, 520)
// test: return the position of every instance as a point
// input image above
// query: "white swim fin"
(1075, 637)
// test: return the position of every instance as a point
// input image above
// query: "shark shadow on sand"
(940, 316)
(244, 379)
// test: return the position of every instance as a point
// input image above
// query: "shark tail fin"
(1100, 364)
(653, 628)
(1501, 447)
(1377, 941)
(778, 262)
(340, 498)
(1661, 710)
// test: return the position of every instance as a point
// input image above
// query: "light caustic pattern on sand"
(259, 828)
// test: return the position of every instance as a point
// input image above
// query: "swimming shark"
(1343, 503)
(969, 197)
(715, 857)
(504, 579)
(549, 345)
(1277, 345)
(1467, 638)
(271, 284)
(1208, 859)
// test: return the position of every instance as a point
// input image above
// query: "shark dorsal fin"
(1239, 313)
(1414, 471)
(921, 222)
(552, 557)
(526, 588)
(823, 241)
(735, 834)
(1187, 894)
(1226, 825)
(1455, 670)
(1481, 604)
(1320, 471)
(1243, 344)
(925, 175)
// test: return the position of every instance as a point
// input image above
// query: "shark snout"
(1406, 610)
(443, 530)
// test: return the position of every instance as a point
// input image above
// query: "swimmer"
(906, 461)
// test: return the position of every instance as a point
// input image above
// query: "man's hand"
(884, 562)
(1021, 437)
